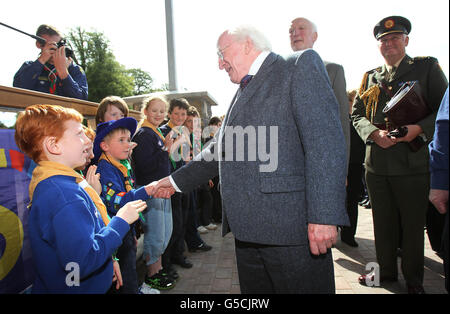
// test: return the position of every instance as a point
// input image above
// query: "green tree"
(105, 75)
(142, 81)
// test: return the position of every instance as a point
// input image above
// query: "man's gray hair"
(241, 33)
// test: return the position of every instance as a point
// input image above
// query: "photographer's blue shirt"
(33, 75)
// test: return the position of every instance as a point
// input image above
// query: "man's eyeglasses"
(221, 51)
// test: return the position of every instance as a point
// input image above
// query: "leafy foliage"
(105, 75)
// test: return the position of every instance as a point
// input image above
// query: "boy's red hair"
(39, 121)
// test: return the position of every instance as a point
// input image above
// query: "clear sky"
(136, 30)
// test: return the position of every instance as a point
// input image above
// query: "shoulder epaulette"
(425, 59)
(374, 70)
(363, 86)
(422, 58)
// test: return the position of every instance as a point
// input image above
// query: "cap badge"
(389, 24)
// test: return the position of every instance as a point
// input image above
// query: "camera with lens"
(69, 52)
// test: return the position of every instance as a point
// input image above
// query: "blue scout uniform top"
(35, 76)
(114, 193)
(65, 228)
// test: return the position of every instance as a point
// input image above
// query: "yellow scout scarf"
(47, 169)
(123, 169)
(170, 124)
(151, 126)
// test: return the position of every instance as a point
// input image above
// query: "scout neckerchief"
(124, 168)
(52, 77)
(170, 124)
(47, 169)
(147, 124)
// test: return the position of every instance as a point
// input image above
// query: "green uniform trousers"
(399, 206)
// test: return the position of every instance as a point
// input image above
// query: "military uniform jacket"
(376, 90)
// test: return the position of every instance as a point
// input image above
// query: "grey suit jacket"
(293, 96)
(337, 80)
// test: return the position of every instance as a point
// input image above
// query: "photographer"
(53, 72)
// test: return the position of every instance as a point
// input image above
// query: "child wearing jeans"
(150, 162)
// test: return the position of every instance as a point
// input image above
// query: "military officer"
(397, 178)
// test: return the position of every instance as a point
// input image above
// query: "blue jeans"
(157, 228)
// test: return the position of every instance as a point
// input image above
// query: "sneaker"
(146, 289)
(160, 281)
(202, 230)
(211, 226)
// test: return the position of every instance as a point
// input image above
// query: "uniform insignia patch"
(111, 192)
(389, 24)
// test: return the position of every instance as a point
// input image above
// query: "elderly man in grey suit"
(283, 206)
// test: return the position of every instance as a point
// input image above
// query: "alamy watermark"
(73, 277)
(252, 143)
(373, 279)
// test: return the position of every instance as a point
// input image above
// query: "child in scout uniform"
(72, 239)
(174, 253)
(111, 148)
(150, 162)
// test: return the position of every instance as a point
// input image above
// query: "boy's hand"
(130, 212)
(117, 275)
(160, 189)
(168, 141)
(94, 179)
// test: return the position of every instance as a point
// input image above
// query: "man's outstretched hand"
(160, 189)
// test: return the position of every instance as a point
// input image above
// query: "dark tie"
(245, 81)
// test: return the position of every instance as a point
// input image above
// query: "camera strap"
(52, 77)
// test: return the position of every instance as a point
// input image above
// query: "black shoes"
(183, 262)
(202, 247)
